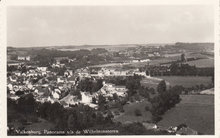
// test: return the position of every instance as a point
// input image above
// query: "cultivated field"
(196, 111)
(187, 81)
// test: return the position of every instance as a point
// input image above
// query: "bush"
(122, 110)
(137, 112)
(156, 118)
(116, 113)
(147, 108)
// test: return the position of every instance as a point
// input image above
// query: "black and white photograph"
(90, 70)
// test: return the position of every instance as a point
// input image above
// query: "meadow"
(129, 114)
(196, 111)
(151, 82)
(186, 81)
(202, 63)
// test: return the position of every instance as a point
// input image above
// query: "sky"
(30, 26)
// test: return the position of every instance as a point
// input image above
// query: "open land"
(129, 114)
(187, 81)
(196, 111)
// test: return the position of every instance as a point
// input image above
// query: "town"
(107, 81)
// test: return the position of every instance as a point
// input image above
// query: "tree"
(27, 104)
(132, 84)
(147, 108)
(183, 59)
(101, 102)
(115, 97)
(161, 88)
(137, 112)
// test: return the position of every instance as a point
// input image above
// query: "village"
(36, 80)
(121, 85)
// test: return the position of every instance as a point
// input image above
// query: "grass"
(129, 114)
(196, 111)
(187, 81)
(150, 82)
(202, 63)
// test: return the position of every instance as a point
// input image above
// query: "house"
(86, 98)
(14, 97)
(109, 89)
(30, 86)
(17, 73)
(60, 80)
(140, 73)
(68, 73)
(42, 69)
(55, 94)
(43, 73)
(144, 60)
(135, 60)
(57, 91)
(49, 99)
(149, 125)
(84, 74)
(27, 58)
(21, 58)
(121, 91)
(72, 79)
(39, 90)
(10, 86)
(70, 99)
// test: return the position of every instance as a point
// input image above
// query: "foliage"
(89, 85)
(137, 112)
(164, 101)
(161, 88)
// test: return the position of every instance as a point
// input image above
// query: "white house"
(17, 73)
(42, 68)
(60, 80)
(28, 58)
(21, 58)
(140, 73)
(10, 87)
(144, 60)
(86, 98)
(109, 89)
(55, 95)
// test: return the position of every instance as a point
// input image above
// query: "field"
(129, 114)
(196, 111)
(151, 82)
(163, 60)
(187, 81)
(202, 62)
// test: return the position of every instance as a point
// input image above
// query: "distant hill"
(192, 46)
(195, 46)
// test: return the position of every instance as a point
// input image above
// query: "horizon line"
(101, 44)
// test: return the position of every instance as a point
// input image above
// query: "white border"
(3, 45)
